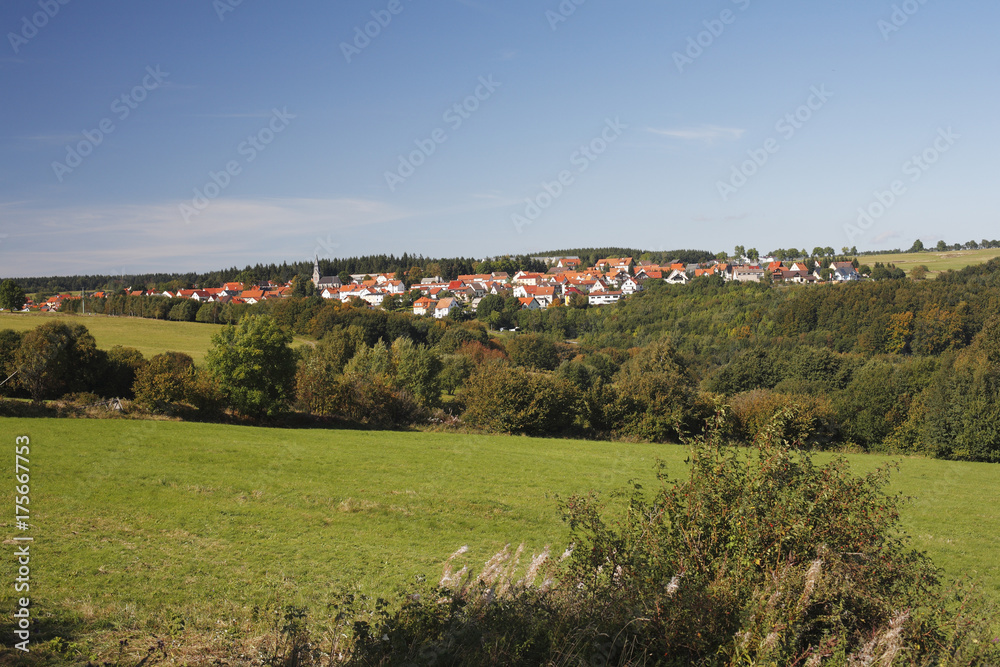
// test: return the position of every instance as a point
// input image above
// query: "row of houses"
(606, 282)
(228, 293)
(797, 272)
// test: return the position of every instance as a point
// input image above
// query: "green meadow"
(151, 337)
(936, 262)
(141, 525)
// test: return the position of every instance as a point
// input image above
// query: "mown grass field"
(151, 337)
(141, 523)
(936, 262)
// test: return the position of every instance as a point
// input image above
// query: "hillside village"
(608, 281)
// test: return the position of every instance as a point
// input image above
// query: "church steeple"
(316, 275)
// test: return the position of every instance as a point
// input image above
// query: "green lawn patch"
(140, 522)
(151, 337)
(936, 262)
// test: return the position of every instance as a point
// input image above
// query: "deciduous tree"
(253, 366)
(11, 296)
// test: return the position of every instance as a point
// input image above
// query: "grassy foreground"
(151, 337)
(144, 526)
(936, 262)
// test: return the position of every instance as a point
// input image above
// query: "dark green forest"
(448, 268)
(894, 365)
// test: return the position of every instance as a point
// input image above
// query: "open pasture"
(141, 523)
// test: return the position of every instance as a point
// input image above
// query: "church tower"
(316, 275)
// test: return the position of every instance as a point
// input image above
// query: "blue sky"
(265, 131)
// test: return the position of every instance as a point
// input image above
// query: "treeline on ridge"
(894, 365)
(447, 268)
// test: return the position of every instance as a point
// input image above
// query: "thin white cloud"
(475, 5)
(728, 218)
(155, 237)
(53, 139)
(707, 133)
(886, 236)
(257, 114)
(145, 238)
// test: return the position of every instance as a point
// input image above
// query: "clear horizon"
(195, 135)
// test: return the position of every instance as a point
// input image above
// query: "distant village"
(607, 282)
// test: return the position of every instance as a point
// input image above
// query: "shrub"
(809, 420)
(162, 385)
(505, 399)
(533, 351)
(756, 368)
(122, 367)
(379, 405)
(204, 393)
(55, 358)
(319, 392)
(767, 559)
(655, 396)
(962, 404)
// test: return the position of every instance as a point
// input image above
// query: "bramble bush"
(756, 558)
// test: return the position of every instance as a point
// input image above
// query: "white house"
(677, 277)
(374, 298)
(444, 307)
(745, 274)
(604, 298)
(423, 305)
(844, 272)
(630, 286)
